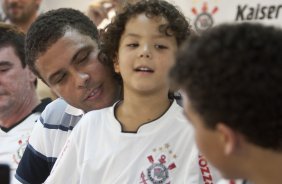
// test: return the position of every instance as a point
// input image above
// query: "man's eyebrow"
(84, 48)
(6, 63)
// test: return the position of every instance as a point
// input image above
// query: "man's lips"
(94, 93)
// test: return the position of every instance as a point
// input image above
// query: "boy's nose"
(145, 52)
(145, 55)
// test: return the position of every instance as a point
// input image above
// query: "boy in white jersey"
(231, 78)
(144, 138)
(62, 49)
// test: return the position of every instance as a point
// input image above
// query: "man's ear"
(116, 65)
(30, 74)
(229, 138)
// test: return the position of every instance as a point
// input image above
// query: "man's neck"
(266, 167)
(13, 116)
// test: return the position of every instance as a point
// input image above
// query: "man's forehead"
(78, 34)
(71, 38)
(4, 49)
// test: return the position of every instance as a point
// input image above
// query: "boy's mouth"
(144, 69)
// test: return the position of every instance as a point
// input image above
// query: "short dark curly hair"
(10, 35)
(232, 74)
(177, 25)
(49, 27)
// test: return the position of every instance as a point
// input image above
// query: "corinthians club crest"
(204, 19)
(158, 171)
(22, 142)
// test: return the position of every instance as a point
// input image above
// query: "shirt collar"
(74, 111)
(40, 107)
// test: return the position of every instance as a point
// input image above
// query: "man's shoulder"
(60, 115)
(57, 105)
(60, 106)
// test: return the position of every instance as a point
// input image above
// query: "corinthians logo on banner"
(204, 17)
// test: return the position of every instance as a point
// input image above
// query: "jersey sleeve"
(67, 167)
(35, 166)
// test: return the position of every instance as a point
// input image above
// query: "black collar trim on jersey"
(135, 132)
(39, 108)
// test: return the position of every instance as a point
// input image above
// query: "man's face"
(19, 11)
(207, 139)
(16, 82)
(211, 142)
(71, 68)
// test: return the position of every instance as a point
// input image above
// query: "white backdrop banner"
(204, 14)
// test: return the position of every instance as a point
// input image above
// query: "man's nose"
(82, 79)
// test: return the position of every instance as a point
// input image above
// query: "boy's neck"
(137, 110)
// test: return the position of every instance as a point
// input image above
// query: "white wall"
(265, 11)
(77, 4)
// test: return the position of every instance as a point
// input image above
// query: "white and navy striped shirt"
(47, 139)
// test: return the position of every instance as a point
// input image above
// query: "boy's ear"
(116, 65)
(229, 138)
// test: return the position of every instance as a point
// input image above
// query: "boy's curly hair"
(177, 25)
(232, 74)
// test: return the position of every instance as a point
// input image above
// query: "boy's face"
(71, 68)
(145, 55)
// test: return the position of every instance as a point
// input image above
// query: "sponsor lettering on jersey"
(206, 174)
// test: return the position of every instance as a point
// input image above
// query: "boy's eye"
(132, 45)
(158, 46)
